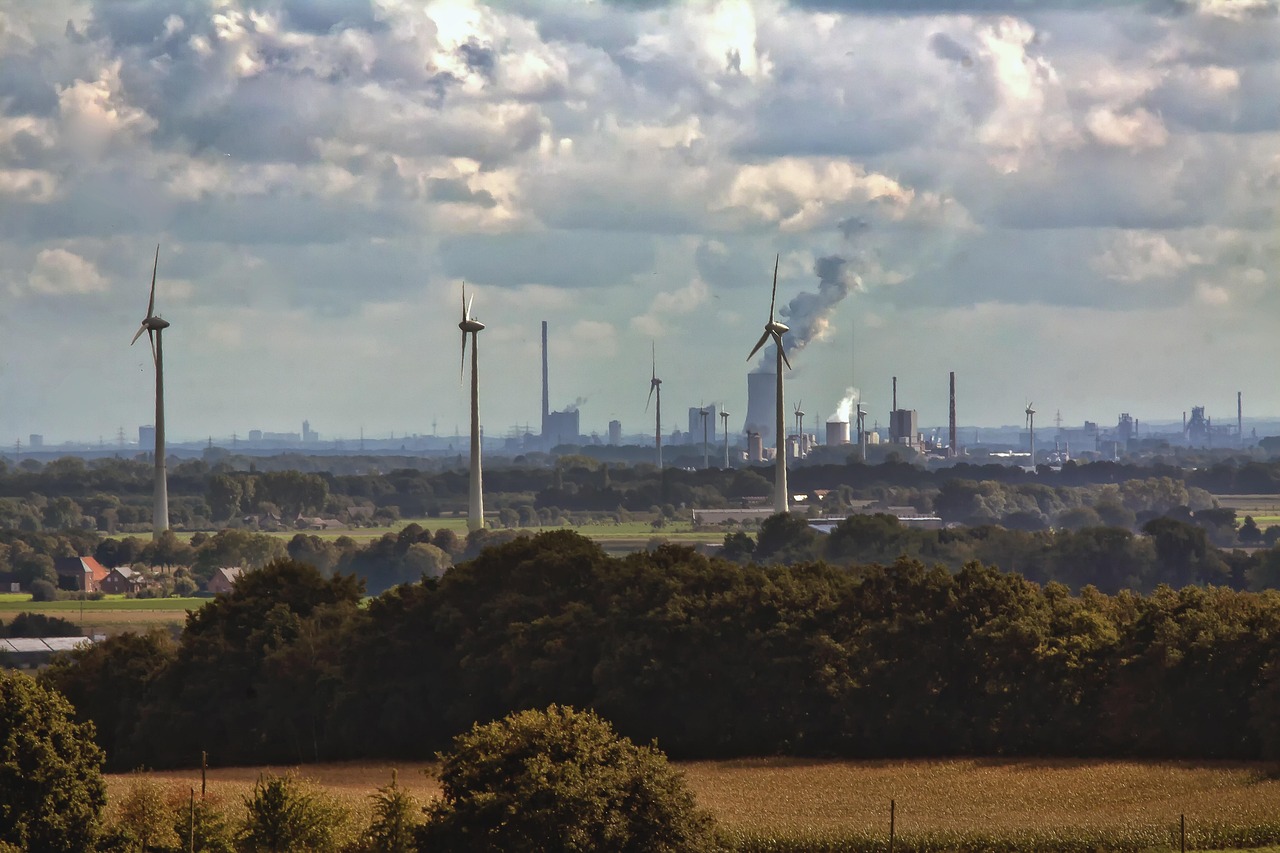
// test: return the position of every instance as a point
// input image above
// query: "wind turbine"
(1031, 428)
(799, 431)
(724, 426)
(153, 325)
(862, 431)
(471, 326)
(774, 329)
(706, 459)
(655, 384)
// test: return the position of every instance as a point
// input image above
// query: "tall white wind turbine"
(153, 325)
(471, 326)
(655, 384)
(774, 329)
(724, 425)
(799, 430)
(706, 457)
(1031, 429)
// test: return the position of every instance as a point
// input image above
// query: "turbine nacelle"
(469, 326)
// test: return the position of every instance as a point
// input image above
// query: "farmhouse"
(84, 574)
(223, 579)
(122, 579)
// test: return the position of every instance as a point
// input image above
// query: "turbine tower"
(1031, 428)
(799, 431)
(655, 384)
(862, 431)
(471, 326)
(706, 458)
(774, 329)
(153, 325)
(724, 426)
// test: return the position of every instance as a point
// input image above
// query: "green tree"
(394, 823)
(201, 825)
(284, 815)
(224, 496)
(51, 787)
(560, 779)
(144, 815)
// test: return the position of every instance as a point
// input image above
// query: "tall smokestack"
(954, 449)
(546, 393)
(895, 393)
(1240, 417)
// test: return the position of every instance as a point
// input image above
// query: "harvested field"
(784, 804)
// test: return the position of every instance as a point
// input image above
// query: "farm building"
(33, 652)
(83, 574)
(223, 579)
(122, 579)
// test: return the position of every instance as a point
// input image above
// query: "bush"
(394, 823)
(202, 818)
(51, 788)
(284, 816)
(560, 779)
(43, 590)
(144, 815)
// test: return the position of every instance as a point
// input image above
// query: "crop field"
(794, 804)
(110, 615)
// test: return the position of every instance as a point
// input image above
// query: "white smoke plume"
(845, 408)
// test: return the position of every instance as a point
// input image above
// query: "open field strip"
(797, 798)
(112, 615)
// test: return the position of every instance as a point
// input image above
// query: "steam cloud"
(844, 409)
(809, 314)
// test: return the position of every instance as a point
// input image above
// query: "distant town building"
(146, 437)
(35, 440)
(615, 432)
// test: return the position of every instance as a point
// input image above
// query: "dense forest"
(710, 657)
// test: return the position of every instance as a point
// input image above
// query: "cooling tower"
(762, 390)
(837, 433)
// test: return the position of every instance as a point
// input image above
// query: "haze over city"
(1075, 205)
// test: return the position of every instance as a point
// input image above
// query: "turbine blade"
(462, 366)
(151, 305)
(141, 329)
(773, 297)
(649, 399)
(470, 303)
(155, 358)
(464, 304)
(759, 344)
(782, 350)
(653, 370)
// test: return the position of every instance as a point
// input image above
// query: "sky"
(1067, 203)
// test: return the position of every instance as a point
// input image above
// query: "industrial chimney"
(953, 449)
(546, 393)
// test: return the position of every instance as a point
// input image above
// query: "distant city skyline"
(1076, 204)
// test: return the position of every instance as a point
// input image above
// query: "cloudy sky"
(1064, 202)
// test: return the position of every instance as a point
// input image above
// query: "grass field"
(795, 799)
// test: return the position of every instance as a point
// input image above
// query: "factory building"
(694, 434)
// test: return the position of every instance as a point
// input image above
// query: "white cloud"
(58, 272)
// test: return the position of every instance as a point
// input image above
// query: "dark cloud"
(457, 191)
(24, 88)
(572, 259)
(324, 16)
(482, 59)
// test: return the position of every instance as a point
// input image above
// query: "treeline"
(1167, 551)
(113, 495)
(709, 657)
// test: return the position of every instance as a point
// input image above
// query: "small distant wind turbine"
(153, 325)
(1031, 429)
(724, 426)
(655, 384)
(706, 459)
(862, 431)
(471, 326)
(799, 430)
(774, 329)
